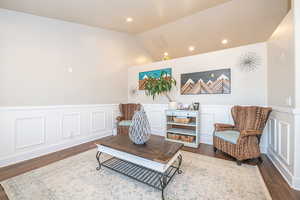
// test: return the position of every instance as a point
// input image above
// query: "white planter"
(173, 105)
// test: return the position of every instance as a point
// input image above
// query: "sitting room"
(150, 99)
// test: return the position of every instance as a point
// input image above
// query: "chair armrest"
(224, 127)
(120, 118)
(246, 133)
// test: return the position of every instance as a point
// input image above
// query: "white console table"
(181, 132)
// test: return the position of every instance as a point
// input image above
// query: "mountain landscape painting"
(153, 74)
(207, 82)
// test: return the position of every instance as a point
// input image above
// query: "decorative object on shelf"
(249, 61)
(155, 74)
(173, 105)
(139, 130)
(161, 86)
(196, 105)
(183, 120)
(207, 82)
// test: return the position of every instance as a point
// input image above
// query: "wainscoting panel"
(25, 138)
(29, 132)
(284, 141)
(272, 134)
(282, 146)
(98, 121)
(70, 125)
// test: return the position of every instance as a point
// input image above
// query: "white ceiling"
(242, 22)
(169, 25)
(111, 14)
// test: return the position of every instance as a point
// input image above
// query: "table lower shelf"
(140, 173)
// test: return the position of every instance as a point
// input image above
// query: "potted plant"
(161, 86)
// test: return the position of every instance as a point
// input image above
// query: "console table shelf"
(184, 133)
(182, 124)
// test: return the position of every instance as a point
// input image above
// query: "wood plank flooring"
(277, 186)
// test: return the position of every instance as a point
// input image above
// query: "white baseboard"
(280, 167)
(49, 149)
(296, 183)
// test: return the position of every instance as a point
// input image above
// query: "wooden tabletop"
(156, 149)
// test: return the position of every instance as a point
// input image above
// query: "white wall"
(284, 125)
(281, 64)
(36, 54)
(296, 6)
(247, 87)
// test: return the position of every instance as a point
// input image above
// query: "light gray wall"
(296, 7)
(281, 64)
(247, 87)
(37, 55)
(297, 49)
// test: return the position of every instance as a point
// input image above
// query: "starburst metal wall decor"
(249, 61)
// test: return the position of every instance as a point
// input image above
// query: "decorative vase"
(139, 130)
(172, 105)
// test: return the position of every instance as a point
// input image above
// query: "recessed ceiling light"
(225, 41)
(191, 48)
(129, 19)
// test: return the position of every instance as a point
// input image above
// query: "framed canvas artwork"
(206, 82)
(154, 74)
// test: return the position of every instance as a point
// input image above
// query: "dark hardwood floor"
(277, 186)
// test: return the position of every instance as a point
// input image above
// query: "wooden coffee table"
(152, 163)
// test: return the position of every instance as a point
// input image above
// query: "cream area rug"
(75, 178)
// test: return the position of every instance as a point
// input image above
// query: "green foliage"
(160, 86)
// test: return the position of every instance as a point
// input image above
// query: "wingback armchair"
(127, 112)
(242, 139)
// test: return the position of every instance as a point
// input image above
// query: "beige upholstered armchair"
(127, 112)
(241, 140)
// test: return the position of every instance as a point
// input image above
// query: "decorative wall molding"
(25, 139)
(100, 117)
(280, 166)
(289, 110)
(272, 139)
(70, 125)
(282, 146)
(33, 131)
(22, 156)
(284, 141)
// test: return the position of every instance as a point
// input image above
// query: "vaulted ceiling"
(240, 22)
(169, 25)
(111, 14)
